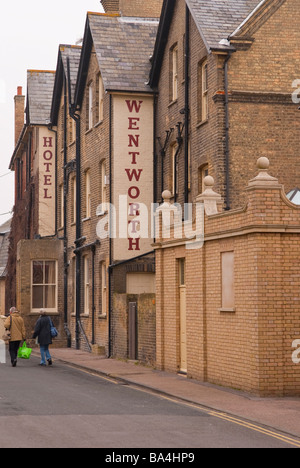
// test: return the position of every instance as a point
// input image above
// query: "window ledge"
(102, 213)
(98, 123)
(227, 310)
(172, 103)
(202, 123)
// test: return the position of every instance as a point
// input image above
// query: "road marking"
(257, 428)
(217, 414)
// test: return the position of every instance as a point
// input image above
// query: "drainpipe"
(66, 265)
(186, 105)
(110, 272)
(76, 117)
(227, 192)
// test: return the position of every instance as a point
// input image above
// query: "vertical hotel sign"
(47, 145)
(132, 174)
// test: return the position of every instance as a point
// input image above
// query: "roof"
(123, 48)
(66, 54)
(40, 85)
(218, 19)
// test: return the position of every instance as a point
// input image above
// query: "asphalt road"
(64, 407)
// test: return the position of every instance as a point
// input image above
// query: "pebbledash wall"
(242, 318)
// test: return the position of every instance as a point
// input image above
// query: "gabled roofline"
(161, 41)
(163, 32)
(58, 84)
(248, 18)
(83, 64)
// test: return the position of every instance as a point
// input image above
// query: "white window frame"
(74, 199)
(62, 200)
(90, 106)
(204, 91)
(52, 309)
(100, 97)
(88, 207)
(175, 73)
(86, 284)
(103, 289)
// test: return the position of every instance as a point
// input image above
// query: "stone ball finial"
(263, 163)
(209, 181)
(166, 195)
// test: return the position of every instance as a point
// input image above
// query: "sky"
(30, 34)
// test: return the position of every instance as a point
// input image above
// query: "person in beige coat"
(15, 324)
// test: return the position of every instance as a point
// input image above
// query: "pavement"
(281, 414)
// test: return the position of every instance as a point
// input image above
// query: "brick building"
(34, 261)
(175, 111)
(103, 112)
(241, 61)
(214, 301)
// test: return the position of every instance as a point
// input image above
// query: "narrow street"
(64, 407)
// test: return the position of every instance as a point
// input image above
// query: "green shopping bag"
(24, 352)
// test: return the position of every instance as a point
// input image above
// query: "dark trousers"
(13, 350)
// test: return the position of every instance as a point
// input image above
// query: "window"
(89, 107)
(44, 285)
(174, 72)
(202, 173)
(227, 267)
(103, 183)
(88, 194)
(100, 97)
(72, 130)
(203, 92)
(61, 196)
(174, 185)
(103, 288)
(73, 199)
(181, 271)
(86, 264)
(74, 283)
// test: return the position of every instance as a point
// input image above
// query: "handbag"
(54, 332)
(7, 335)
(24, 352)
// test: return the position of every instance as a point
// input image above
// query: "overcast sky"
(30, 33)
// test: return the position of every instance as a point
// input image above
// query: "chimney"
(141, 8)
(134, 8)
(19, 113)
(111, 6)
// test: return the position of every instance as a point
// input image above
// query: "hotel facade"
(186, 106)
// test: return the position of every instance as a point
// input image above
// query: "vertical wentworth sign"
(133, 174)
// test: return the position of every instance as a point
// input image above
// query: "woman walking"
(42, 331)
(15, 324)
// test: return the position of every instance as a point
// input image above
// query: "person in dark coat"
(42, 331)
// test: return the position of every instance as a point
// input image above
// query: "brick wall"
(134, 8)
(263, 120)
(248, 347)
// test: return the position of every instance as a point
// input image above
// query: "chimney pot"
(20, 91)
